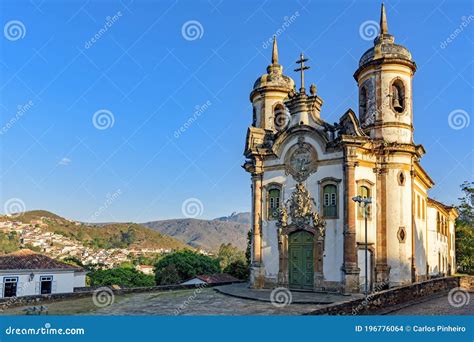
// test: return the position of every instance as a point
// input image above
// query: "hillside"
(206, 234)
(112, 235)
(243, 218)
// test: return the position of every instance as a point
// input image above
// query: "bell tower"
(384, 78)
(268, 95)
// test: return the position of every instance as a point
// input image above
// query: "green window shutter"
(273, 203)
(330, 201)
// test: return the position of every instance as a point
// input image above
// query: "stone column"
(413, 232)
(257, 274)
(350, 267)
(381, 267)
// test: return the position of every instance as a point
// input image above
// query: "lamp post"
(365, 201)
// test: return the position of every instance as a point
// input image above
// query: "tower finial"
(275, 51)
(383, 21)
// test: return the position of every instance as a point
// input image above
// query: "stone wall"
(82, 292)
(383, 300)
(467, 282)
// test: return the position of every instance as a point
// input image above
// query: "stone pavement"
(205, 301)
(436, 306)
(242, 291)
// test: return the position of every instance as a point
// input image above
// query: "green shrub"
(180, 266)
(127, 277)
(238, 269)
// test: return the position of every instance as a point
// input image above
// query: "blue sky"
(149, 76)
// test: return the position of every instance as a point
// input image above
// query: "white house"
(26, 273)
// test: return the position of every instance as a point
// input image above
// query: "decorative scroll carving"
(297, 212)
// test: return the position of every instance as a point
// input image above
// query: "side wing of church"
(307, 231)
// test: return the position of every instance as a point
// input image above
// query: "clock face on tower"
(301, 161)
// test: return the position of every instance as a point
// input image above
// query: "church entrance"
(301, 265)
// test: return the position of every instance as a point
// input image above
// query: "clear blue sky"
(144, 71)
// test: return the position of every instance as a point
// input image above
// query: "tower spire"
(275, 51)
(383, 21)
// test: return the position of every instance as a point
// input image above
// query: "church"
(308, 232)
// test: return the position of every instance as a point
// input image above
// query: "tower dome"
(384, 77)
(385, 49)
(269, 94)
(274, 76)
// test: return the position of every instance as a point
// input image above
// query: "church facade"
(307, 231)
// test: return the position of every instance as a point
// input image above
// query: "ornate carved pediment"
(297, 212)
(301, 161)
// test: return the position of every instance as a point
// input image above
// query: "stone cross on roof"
(301, 69)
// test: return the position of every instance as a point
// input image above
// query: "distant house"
(26, 273)
(214, 279)
(146, 269)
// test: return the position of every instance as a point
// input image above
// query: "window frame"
(322, 184)
(399, 83)
(268, 189)
(370, 190)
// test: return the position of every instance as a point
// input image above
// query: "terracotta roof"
(217, 278)
(442, 205)
(26, 259)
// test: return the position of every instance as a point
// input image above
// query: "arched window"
(330, 200)
(438, 223)
(281, 117)
(364, 192)
(362, 104)
(398, 96)
(273, 203)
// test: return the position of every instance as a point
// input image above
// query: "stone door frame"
(318, 253)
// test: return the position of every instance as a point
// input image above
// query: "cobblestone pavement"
(242, 290)
(185, 302)
(437, 306)
(210, 302)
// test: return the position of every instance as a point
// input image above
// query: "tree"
(238, 269)
(228, 254)
(127, 277)
(180, 266)
(72, 260)
(465, 230)
(248, 251)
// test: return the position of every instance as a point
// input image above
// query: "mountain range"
(206, 234)
(167, 234)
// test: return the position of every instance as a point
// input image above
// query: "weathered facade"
(307, 232)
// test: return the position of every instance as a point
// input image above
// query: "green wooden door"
(300, 252)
